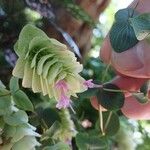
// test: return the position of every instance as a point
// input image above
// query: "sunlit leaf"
(27, 34)
(22, 131)
(16, 118)
(141, 25)
(27, 142)
(18, 71)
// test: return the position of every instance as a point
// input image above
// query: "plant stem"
(124, 91)
(101, 119)
(99, 106)
(105, 73)
(108, 120)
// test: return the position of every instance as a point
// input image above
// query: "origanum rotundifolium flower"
(48, 66)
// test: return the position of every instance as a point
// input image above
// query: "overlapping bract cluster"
(18, 133)
(43, 62)
(15, 131)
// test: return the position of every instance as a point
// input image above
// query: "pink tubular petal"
(64, 102)
(89, 83)
(62, 85)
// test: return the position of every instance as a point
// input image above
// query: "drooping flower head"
(47, 66)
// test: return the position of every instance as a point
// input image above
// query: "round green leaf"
(111, 100)
(122, 36)
(22, 101)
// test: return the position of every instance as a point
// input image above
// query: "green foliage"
(5, 105)
(110, 97)
(22, 101)
(16, 118)
(61, 131)
(122, 35)
(111, 123)
(16, 132)
(57, 126)
(141, 25)
(86, 141)
(58, 146)
(13, 84)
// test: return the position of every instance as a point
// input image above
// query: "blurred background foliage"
(79, 130)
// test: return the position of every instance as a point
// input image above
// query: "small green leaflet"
(27, 142)
(5, 105)
(13, 84)
(141, 25)
(17, 118)
(122, 35)
(22, 101)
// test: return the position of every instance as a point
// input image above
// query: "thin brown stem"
(108, 120)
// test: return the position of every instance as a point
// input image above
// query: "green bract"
(44, 61)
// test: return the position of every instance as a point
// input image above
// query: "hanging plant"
(47, 66)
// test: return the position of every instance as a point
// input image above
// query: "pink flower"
(62, 86)
(89, 83)
(63, 102)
